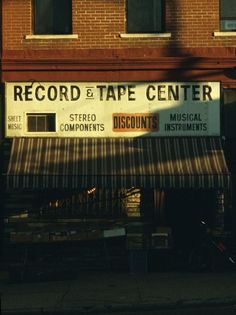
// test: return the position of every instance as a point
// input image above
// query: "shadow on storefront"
(57, 231)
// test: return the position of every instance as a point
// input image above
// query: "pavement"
(106, 292)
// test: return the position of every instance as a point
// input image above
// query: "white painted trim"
(146, 35)
(224, 34)
(70, 36)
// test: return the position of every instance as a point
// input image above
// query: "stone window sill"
(70, 36)
(220, 34)
(140, 35)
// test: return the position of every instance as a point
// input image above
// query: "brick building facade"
(186, 45)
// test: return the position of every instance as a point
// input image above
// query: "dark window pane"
(31, 123)
(41, 123)
(52, 16)
(51, 123)
(43, 17)
(144, 16)
(228, 9)
(62, 17)
(228, 15)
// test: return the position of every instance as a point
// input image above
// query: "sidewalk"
(96, 293)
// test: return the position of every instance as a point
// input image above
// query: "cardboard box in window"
(137, 241)
(161, 238)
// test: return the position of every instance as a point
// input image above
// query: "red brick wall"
(98, 24)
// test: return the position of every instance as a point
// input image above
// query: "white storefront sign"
(115, 109)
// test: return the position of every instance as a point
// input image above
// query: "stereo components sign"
(117, 109)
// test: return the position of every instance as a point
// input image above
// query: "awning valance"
(77, 163)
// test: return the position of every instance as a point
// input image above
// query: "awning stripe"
(74, 163)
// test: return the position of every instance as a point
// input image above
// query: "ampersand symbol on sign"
(89, 93)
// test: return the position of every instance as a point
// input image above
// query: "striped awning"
(78, 163)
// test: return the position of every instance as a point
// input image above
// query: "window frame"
(54, 31)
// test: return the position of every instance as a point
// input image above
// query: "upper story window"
(228, 15)
(52, 17)
(144, 16)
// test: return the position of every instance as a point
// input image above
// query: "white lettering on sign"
(115, 109)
